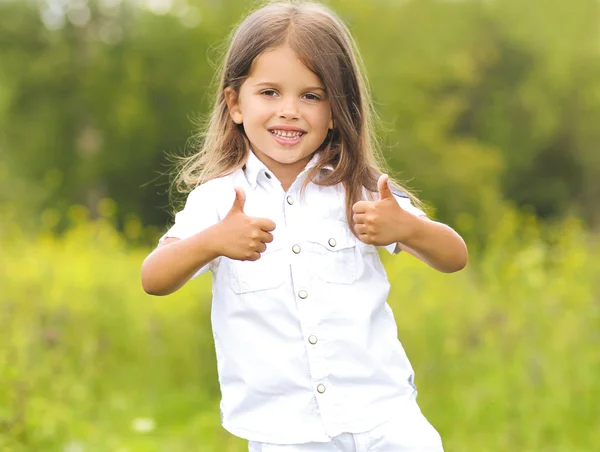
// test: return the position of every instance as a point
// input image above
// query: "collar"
(255, 169)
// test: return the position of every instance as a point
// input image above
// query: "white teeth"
(286, 133)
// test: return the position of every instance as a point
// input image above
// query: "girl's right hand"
(242, 237)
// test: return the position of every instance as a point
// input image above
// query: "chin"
(286, 158)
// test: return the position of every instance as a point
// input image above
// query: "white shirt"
(306, 343)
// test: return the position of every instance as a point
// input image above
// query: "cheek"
(321, 118)
(260, 113)
(252, 108)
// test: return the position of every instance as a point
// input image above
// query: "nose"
(289, 109)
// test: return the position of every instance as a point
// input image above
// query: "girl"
(287, 208)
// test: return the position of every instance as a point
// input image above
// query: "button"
(290, 200)
(312, 339)
(303, 294)
(321, 389)
(296, 249)
(268, 175)
(332, 243)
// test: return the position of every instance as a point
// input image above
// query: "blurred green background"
(489, 109)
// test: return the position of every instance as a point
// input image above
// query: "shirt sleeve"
(404, 202)
(199, 213)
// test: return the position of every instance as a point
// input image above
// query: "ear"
(331, 123)
(233, 104)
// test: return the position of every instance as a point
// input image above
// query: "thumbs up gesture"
(244, 237)
(382, 222)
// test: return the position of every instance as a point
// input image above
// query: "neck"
(287, 176)
(286, 173)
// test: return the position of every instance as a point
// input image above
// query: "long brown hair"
(325, 46)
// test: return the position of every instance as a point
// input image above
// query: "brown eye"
(269, 92)
(311, 96)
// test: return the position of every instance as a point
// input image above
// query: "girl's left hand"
(383, 222)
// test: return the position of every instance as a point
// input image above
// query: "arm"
(385, 222)
(436, 244)
(176, 260)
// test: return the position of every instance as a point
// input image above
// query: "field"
(506, 353)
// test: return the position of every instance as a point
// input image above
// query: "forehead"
(282, 65)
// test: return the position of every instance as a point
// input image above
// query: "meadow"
(506, 352)
(489, 110)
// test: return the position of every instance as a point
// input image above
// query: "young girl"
(287, 210)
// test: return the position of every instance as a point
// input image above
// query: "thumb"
(384, 189)
(239, 201)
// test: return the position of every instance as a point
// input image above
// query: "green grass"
(506, 353)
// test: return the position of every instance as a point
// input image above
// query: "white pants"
(408, 431)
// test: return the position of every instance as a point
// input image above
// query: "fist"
(381, 222)
(244, 238)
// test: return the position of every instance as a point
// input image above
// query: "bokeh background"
(490, 110)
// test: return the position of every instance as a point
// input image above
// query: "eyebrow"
(276, 85)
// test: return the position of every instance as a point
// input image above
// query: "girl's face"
(285, 111)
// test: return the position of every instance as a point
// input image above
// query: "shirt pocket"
(268, 272)
(335, 252)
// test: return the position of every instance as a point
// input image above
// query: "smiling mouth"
(287, 134)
